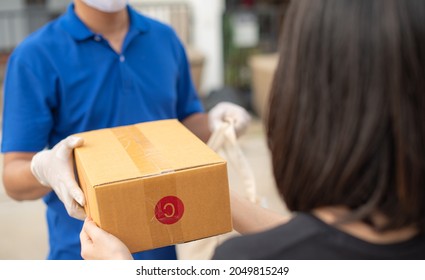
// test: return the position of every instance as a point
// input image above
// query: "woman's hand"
(97, 244)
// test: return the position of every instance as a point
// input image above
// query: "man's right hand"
(55, 169)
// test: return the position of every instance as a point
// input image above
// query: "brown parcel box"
(153, 184)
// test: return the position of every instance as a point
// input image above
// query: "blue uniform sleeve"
(28, 103)
(188, 101)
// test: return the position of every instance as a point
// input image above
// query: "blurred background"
(231, 46)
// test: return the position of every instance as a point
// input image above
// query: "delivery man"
(101, 64)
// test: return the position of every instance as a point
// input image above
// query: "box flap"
(175, 148)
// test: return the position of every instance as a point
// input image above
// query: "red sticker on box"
(169, 210)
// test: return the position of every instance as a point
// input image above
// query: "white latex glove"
(229, 112)
(55, 169)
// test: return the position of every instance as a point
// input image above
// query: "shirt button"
(122, 58)
(97, 38)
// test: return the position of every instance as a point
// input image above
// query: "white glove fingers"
(54, 168)
(65, 147)
(74, 142)
(38, 172)
(72, 207)
(68, 187)
(77, 211)
(77, 194)
(231, 113)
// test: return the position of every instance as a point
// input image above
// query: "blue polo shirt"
(65, 79)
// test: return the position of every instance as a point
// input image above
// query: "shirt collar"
(137, 21)
(80, 32)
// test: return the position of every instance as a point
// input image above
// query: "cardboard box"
(153, 184)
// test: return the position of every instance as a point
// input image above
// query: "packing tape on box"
(141, 151)
(150, 161)
(166, 213)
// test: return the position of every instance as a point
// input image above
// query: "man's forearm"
(19, 182)
(198, 124)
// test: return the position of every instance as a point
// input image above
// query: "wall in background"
(13, 24)
(206, 36)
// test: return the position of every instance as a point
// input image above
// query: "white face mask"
(107, 6)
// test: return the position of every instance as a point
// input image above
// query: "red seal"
(169, 210)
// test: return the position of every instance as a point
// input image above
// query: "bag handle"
(224, 140)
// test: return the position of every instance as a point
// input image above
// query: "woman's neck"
(361, 230)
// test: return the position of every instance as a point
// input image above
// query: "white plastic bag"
(241, 180)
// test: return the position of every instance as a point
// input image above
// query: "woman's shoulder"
(271, 244)
(307, 237)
